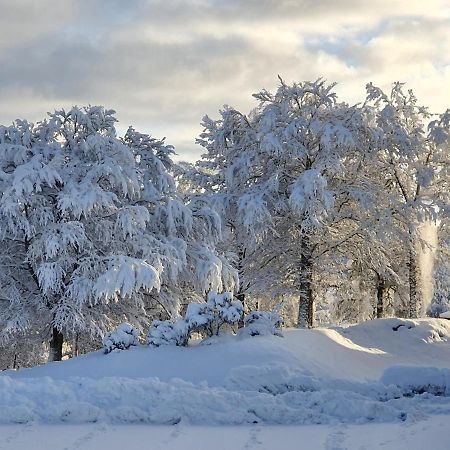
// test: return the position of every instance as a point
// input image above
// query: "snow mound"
(150, 400)
(426, 330)
(417, 380)
(383, 370)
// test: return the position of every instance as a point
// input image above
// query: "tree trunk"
(75, 346)
(241, 297)
(241, 293)
(412, 267)
(381, 291)
(56, 346)
(306, 301)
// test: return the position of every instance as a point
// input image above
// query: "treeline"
(305, 201)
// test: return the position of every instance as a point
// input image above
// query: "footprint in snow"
(12, 437)
(177, 431)
(253, 439)
(335, 440)
(100, 429)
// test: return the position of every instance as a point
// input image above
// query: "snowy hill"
(308, 377)
(361, 352)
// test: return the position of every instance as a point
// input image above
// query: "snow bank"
(417, 380)
(308, 377)
(358, 353)
(388, 332)
(150, 400)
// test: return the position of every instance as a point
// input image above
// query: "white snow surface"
(390, 370)
(431, 433)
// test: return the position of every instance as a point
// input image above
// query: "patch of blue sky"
(349, 45)
(93, 22)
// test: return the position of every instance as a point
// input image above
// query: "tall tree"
(411, 165)
(289, 174)
(92, 227)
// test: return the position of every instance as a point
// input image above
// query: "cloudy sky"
(164, 64)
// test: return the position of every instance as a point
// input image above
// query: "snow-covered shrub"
(219, 309)
(199, 316)
(123, 337)
(205, 318)
(208, 317)
(225, 308)
(166, 332)
(262, 323)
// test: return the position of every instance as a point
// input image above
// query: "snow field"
(429, 433)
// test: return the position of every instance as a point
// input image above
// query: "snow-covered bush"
(262, 323)
(225, 308)
(206, 318)
(199, 316)
(219, 309)
(123, 337)
(166, 332)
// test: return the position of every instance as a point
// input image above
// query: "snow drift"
(346, 375)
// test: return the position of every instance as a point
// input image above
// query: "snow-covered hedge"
(207, 318)
(123, 337)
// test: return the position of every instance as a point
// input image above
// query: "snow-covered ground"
(430, 433)
(385, 382)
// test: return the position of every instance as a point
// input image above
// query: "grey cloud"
(164, 64)
(23, 21)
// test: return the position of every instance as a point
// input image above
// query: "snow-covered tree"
(69, 188)
(187, 227)
(289, 173)
(92, 229)
(441, 289)
(23, 350)
(410, 168)
(199, 182)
